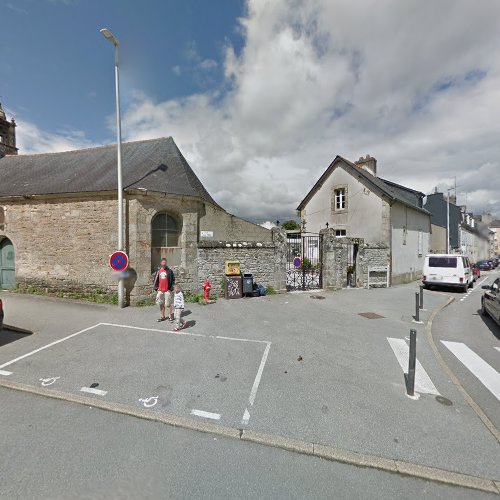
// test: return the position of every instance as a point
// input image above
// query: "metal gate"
(303, 262)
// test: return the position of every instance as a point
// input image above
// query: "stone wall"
(63, 243)
(335, 260)
(265, 260)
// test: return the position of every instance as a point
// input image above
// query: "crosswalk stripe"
(423, 383)
(488, 376)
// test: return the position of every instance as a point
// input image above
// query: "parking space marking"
(153, 400)
(153, 330)
(92, 390)
(49, 345)
(423, 383)
(486, 374)
(256, 382)
(206, 414)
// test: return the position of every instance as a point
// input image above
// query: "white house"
(351, 199)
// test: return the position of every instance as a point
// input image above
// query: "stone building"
(7, 135)
(58, 221)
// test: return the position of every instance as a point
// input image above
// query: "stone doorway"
(7, 264)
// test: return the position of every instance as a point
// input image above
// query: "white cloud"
(30, 139)
(415, 84)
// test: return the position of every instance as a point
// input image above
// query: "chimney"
(369, 164)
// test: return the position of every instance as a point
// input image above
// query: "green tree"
(290, 225)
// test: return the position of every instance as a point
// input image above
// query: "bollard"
(421, 296)
(417, 307)
(410, 380)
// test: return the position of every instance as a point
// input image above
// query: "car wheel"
(464, 288)
(472, 284)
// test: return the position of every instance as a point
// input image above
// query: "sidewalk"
(331, 376)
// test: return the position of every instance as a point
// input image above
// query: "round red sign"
(118, 261)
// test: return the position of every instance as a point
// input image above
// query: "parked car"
(493, 263)
(447, 270)
(484, 265)
(476, 272)
(490, 302)
(1, 315)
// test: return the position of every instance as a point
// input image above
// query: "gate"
(307, 248)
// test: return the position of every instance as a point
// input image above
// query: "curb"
(468, 398)
(326, 452)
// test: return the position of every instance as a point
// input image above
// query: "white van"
(448, 270)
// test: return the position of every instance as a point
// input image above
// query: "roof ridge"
(103, 146)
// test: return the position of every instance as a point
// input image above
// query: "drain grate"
(371, 315)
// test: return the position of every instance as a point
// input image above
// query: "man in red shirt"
(163, 285)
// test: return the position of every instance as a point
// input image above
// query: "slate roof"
(393, 191)
(156, 165)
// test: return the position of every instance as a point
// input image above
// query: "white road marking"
(91, 390)
(206, 414)
(487, 375)
(497, 348)
(256, 382)
(423, 383)
(48, 345)
(5, 372)
(49, 381)
(246, 417)
(242, 340)
(149, 402)
(154, 330)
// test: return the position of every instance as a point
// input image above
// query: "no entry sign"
(118, 261)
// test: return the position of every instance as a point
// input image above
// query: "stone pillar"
(280, 258)
(188, 272)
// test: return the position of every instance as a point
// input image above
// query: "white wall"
(408, 259)
(363, 217)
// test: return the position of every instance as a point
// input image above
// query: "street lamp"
(109, 36)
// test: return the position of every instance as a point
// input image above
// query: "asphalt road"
(58, 450)
(461, 328)
(321, 371)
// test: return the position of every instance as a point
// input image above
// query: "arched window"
(165, 231)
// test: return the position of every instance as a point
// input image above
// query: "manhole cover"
(444, 401)
(370, 315)
(317, 297)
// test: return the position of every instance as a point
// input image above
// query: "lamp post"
(109, 36)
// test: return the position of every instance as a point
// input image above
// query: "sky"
(262, 95)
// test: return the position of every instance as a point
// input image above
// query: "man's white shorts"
(164, 298)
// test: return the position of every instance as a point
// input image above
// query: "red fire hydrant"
(206, 289)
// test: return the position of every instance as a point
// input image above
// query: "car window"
(450, 262)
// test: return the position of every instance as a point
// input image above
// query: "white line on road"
(206, 414)
(423, 383)
(49, 345)
(154, 330)
(246, 417)
(489, 377)
(497, 348)
(5, 372)
(242, 340)
(91, 390)
(256, 382)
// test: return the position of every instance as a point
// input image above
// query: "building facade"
(352, 200)
(58, 222)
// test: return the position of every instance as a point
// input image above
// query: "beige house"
(58, 221)
(352, 200)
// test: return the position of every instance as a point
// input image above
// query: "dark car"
(476, 272)
(490, 302)
(484, 265)
(1, 315)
